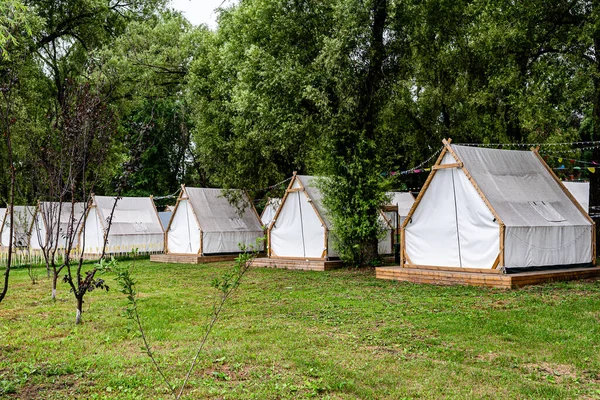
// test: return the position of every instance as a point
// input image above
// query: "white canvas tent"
(2, 216)
(23, 217)
(487, 209)
(55, 226)
(269, 212)
(404, 202)
(165, 218)
(205, 222)
(301, 228)
(581, 192)
(135, 225)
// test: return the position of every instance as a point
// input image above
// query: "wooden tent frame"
(302, 188)
(183, 195)
(405, 261)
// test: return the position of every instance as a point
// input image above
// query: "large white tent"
(134, 225)
(205, 222)
(23, 220)
(270, 210)
(301, 228)
(56, 225)
(581, 192)
(487, 209)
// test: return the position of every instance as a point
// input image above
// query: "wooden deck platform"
(306, 265)
(441, 276)
(191, 259)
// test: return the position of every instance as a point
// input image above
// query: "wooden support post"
(501, 253)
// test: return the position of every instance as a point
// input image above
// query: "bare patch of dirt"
(559, 372)
(64, 384)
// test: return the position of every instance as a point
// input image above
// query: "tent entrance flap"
(301, 225)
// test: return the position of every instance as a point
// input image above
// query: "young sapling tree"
(225, 286)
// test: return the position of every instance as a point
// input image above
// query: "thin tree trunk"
(54, 280)
(79, 310)
(595, 135)
(12, 211)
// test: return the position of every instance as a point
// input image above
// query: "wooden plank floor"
(495, 280)
(191, 259)
(306, 265)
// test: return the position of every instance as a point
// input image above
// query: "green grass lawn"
(296, 334)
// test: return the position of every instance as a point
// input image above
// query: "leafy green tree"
(252, 89)
(17, 25)
(148, 66)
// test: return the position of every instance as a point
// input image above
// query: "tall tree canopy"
(348, 89)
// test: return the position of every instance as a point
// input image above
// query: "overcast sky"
(201, 11)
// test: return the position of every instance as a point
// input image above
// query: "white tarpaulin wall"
(51, 216)
(135, 225)
(23, 221)
(183, 235)
(269, 212)
(205, 222)
(452, 226)
(581, 192)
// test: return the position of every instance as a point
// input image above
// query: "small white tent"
(23, 217)
(2, 216)
(135, 225)
(270, 210)
(301, 228)
(581, 192)
(404, 201)
(205, 222)
(165, 218)
(55, 226)
(487, 209)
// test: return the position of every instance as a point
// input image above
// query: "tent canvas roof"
(516, 183)
(165, 217)
(2, 215)
(404, 201)
(132, 216)
(216, 214)
(49, 210)
(309, 183)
